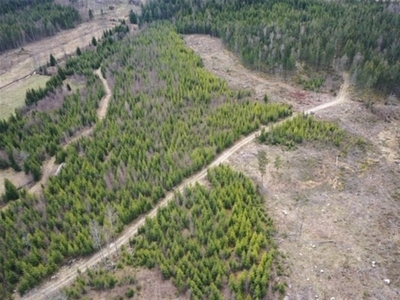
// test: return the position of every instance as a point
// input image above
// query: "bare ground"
(221, 62)
(337, 216)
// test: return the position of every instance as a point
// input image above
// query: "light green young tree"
(278, 162)
(262, 163)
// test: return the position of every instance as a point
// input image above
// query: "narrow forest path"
(103, 105)
(49, 166)
(64, 277)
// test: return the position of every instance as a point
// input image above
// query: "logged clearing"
(218, 60)
(13, 96)
(337, 216)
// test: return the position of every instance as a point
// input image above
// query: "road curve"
(65, 277)
(49, 164)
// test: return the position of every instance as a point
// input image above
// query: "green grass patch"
(13, 97)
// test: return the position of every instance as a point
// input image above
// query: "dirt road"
(103, 106)
(65, 277)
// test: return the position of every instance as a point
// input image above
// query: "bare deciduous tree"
(96, 234)
(111, 219)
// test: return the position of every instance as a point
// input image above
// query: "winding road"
(64, 277)
(49, 165)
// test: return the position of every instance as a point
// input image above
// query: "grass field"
(13, 96)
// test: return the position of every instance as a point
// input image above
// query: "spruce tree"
(11, 191)
(53, 61)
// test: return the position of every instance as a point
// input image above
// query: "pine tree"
(133, 17)
(53, 61)
(11, 192)
(91, 14)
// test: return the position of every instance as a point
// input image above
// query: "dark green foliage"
(205, 238)
(34, 95)
(78, 51)
(90, 14)
(53, 61)
(11, 192)
(133, 17)
(167, 119)
(271, 36)
(25, 21)
(99, 280)
(129, 293)
(94, 41)
(302, 128)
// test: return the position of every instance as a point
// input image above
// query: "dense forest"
(217, 236)
(24, 21)
(213, 242)
(168, 117)
(275, 36)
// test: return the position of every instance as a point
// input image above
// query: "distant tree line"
(7, 6)
(25, 21)
(274, 35)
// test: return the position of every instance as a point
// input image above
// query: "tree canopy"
(24, 21)
(274, 35)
